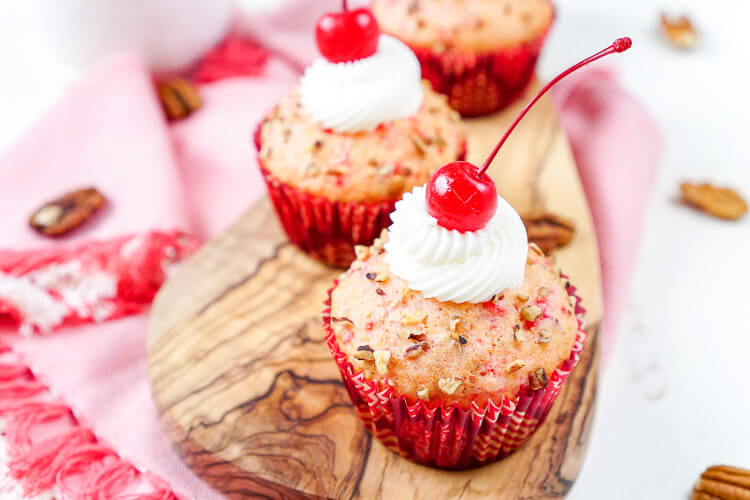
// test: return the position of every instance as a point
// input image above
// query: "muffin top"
(464, 25)
(365, 166)
(444, 352)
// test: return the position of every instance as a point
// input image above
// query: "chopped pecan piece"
(419, 145)
(414, 350)
(382, 358)
(721, 202)
(364, 353)
(531, 313)
(449, 385)
(454, 321)
(342, 319)
(409, 319)
(362, 252)
(538, 379)
(548, 231)
(516, 365)
(336, 170)
(533, 246)
(417, 337)
(544, 337)
(377, 277)
(60, 216)
(178, 97)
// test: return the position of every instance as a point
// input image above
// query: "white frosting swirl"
(357, 96)
(452, 266)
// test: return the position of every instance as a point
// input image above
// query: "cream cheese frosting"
(452, 266)
(357, 96)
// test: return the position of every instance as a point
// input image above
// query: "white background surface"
(674, 397)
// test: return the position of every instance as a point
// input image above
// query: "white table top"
(673, 398)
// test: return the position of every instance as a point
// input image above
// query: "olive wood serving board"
(252, 401)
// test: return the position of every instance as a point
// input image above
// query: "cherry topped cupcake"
(453, 335)
(359, 130)
(480, 53)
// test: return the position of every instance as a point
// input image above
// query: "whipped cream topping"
(452, 266)
(357, 96)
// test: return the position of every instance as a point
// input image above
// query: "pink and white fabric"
(74, 398)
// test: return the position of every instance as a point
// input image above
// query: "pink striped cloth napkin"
(75, 401)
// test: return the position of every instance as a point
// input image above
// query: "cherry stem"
(344, 5)
(619, 45)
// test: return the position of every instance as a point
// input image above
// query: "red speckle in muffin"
(494, 308)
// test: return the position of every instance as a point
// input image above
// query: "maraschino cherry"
(460, 195)
(347, 35)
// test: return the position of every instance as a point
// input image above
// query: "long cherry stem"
(344, 5)
(619, 45)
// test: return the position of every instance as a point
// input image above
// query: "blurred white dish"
(169, 34)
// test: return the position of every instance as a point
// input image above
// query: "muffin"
(453, 335)
(480, 53)
(453, 345)
(345, 144)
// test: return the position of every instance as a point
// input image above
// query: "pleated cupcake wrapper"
(326, 229)
(450, 437)
(481, 83)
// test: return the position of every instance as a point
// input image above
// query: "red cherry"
(461, 198)
(348, 35)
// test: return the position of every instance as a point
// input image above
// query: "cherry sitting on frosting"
(460, 195)
(348, 35)
(461, 198)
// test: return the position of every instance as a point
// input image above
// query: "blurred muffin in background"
(480, 53)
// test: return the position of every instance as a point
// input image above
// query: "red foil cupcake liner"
(450, 437)
(481, 83)
(325, 229)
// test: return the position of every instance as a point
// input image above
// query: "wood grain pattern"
(248, 392)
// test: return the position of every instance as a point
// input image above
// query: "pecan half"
(721, 202)
(722, 482)
(679, 31)
(178, 97)
(548, 231)
(60, 216)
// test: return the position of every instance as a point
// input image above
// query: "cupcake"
(450, 359)
(452, 334)
(359, 130)
(480, 53)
